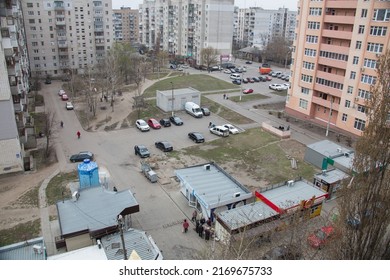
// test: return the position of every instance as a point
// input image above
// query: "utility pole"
(120, 225)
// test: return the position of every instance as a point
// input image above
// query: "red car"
(246, 91)
(153, 123)
(318, 238)
(64, 97)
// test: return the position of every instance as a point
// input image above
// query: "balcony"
(331, 77)
(341, 64)
(346, 35)
(339, 19)
(60, 22)
(62, 44)
(329, 90)
(325, 103)
(346, 4)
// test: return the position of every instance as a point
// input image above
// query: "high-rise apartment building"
(125, 24)
(185, 27)
(67, 35)
(15, 123)
(257, 26)
(335, 55)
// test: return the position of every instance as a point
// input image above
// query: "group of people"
(225, 96)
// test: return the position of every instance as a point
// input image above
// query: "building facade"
(67, 35)
(126, 25)
(15, 122)
(335, 55)
(184, 28)
(257, 27)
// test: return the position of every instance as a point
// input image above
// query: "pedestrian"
(224, 96)
(185, 226)
(78, 134)
(207, 233)
(194, 214)
(62, 124)
(200, 232)
(210, 124)
(227, 97)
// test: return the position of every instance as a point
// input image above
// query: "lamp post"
(172, 100)
(242, 80)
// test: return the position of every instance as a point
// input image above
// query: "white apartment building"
(257, 26)
(15, 122)
(67, 35)
(185, 27)
(125, 23)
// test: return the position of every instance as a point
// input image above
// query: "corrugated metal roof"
(134, 240)
(213, 187)
(331, 176)
(329, 148)
(287, 196)
(95, 209)
(245, 215)
(33, 249)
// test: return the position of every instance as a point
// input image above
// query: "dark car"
(197, 137)
(165, 122)
(256, 79)
(81, 156)
(236, 82)
(176, 120)
(263, 78)
(142, 151)
(164, 146)
(248, 62)
(205, 111)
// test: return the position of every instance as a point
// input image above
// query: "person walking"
(194, 214)
(185, 226)
(78, 134)
(62, 124)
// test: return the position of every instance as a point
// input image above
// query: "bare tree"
(365, 203)
(49, 129)
(277, 50)
(209, 57)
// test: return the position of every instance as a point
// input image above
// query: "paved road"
(162, 207)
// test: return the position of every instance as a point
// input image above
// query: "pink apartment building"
(335, 55)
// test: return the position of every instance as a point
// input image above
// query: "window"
(359, 124)
(308, 65)
(352, 76)
(381, 15)
(361, 29)
(358, 45)
(329, 83)
(350, 89)
(375, 47)
(305, 90)
(312, 39)
(31, 21)
(362, 108)
(315, 11)
(30, 13)
(378, 30)
(355, 60)
(364, 13)
(29, 5)
(313, 25)
(344, 117)
(332, 55)
(364, 94)
(367, 79)
(370, 63)
(347, 104)
(303, 103)
(310, 52)
(306, 78)
(34, 44)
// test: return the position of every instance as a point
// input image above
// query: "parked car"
(237, 70)
(197, 137)
(282, 76)
(285, 85)
(215, 68)
(263, 78)
(256, 79)
(245, 80)
(64, 97)
(220, 130)
(276, 73)
(69, 106)
(164, 146)
(248, 62)
(318, 238)
(142, 125)
(153, 123)
(227, 71)
(251, 80)
(61, 92)
(232, 70)
(232, 128)
(48, 81)
(176, 120)
(81, 156)
(205, 111)
(287, 78)
(248, 90)
(165, 122)
(277, 87)
(141, 151)
(235, 76)
(236, 82)
(268, 78)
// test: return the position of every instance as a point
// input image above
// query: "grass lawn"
(257, 153)
(249, 97)
(20, 232)
(56, 189)
(200, 82)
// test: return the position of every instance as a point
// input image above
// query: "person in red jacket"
(185, 226)
(78, 134)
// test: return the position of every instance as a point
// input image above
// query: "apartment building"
(126, 25)
(185, 27)
(256, 26)
(15, 123)
(67, 35)
(335, 55)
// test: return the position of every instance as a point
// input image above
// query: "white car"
(232, 128)
(69, 106)
(277, 87)
(61, 92)
(285, 85)
(227, 71)
(142, 125)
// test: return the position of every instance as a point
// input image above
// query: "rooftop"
(329, 149)
(33, 249)
(178, 91)
(331, 176)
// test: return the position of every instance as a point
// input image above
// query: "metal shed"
(174, 99)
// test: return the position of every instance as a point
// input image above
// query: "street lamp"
(172, 100)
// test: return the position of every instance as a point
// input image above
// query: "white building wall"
(11, 159)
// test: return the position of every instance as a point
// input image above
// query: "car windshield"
(143, 149)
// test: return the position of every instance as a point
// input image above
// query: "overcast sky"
(266, 4)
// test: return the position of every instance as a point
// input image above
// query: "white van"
(220, 130)
(235, 76)
(193, 109)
